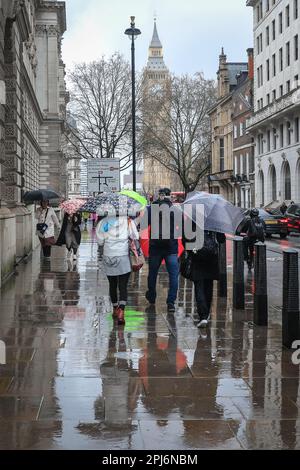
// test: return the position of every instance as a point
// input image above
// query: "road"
(275, 244)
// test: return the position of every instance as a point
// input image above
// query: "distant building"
(156, 80)
(83, 177)
(243, 145)
(73, 161)
(275, 124)
(221, 177)
(127, 180)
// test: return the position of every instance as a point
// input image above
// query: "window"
(267, 35)
(296, 81)
(281, 135)
(281, 59)
(296, 47)
(296, 10)
(222, 165)
(241, 129)
(288, 133)
(280, 23)
(269, 140)
(274, 95)
(274, 64)
(281, 90)
(288, 54)
(297, 133)
(273, 30)
(235, 132)
(287, 16)
(268, 98)
(258, 77)
(274, 139)
(268, 70)
(258, 45)
(261, 75)
(267, 5)
(260, 144)
(288, 86)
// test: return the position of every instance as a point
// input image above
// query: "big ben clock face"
(157, 88)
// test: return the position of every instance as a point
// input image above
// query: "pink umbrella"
(72, 206)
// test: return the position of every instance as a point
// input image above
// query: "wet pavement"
(74, 381)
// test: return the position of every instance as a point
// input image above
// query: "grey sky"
(191, 31)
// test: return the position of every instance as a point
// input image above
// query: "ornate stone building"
(275, 124)
(32, 115)
(156, 77)
(221, 177)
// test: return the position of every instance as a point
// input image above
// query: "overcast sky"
(192, 32)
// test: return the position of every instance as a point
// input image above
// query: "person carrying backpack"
(163, 249)
(203, 270)
(255, 232)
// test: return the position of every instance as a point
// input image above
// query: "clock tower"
(156, 83)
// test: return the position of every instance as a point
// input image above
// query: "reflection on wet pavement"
(72, 380)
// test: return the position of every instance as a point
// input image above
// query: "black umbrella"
(106, 203)
(40, 195)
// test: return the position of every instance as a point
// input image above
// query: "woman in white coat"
(113, 234)
(47, 220)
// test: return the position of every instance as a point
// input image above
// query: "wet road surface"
(72, 380)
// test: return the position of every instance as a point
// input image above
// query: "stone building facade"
(32, 116)
(243, 146)
(156, 80)
(275, 124)
(221, 178)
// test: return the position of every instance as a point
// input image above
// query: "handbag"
(136, 256)
(209, 249)
(186, 261)
(42, 227)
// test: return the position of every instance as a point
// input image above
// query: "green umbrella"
(136, 196)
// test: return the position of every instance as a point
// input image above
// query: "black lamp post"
(133, 33)
(113, 143)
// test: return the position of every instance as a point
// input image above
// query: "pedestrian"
(47, 220)
(85, 216)
(70, 234)
(94, 218)
(204, 269)
(254, 228)
(283, 208)
(113, 234)
(163, 247)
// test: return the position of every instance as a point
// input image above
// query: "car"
(276, 224)
(293, 218)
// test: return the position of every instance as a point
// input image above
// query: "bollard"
(261, 288)
(238, 274)
(222, 284)
(290, 298)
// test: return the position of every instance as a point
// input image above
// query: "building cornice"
(275, 110)
(57, 6)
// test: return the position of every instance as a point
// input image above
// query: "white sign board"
(103, 175)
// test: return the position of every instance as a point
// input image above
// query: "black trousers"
(204, 294)
(118, 283)
(46, 251)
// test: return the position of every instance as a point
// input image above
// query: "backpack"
(209, 249)
(256, 229)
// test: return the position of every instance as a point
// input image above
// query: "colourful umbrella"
(134, 195)
(72, 206)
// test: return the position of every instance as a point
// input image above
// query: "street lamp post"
(113, 143)
(132, 33)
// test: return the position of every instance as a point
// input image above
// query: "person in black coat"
(70, 234)
(203, 272)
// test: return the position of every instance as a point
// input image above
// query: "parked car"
(276, 224)
(293, 218)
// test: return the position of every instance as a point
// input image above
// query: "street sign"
(103, 175)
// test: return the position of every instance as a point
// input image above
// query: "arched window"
(272, 184)
(261, 188)
(286, 182)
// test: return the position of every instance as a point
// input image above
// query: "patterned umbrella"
(72, 206)
(111, 204)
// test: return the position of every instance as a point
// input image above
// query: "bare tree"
(100, 103)
(176, 127)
